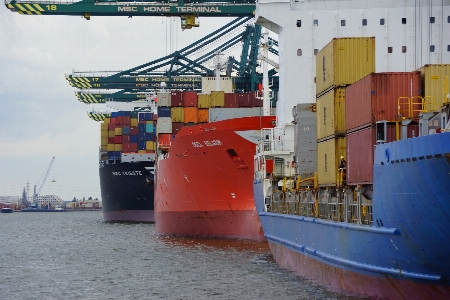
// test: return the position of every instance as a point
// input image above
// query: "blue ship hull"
(403, 254)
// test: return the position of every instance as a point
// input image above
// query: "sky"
(40, 117)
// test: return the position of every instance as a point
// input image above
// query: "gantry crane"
(187, 10)
(36, 195)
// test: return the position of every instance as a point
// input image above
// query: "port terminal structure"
(187, 10)
(183, 69)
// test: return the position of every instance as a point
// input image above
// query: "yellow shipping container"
(111, 133)
(104, 126)
(118, 131)
(134, 122)
(117, 147)
(203, 101)
(142, 151)
(104, 133)
(331, 113)
(177, 114)
(328, 157)
(106, 121)
(203, 115)
(344, 61)
(433, 82)
(104, 148)
(103, 140)
(110, 147)
(150, 145)
(104, 156)
(217, 99)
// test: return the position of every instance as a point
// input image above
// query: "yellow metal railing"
(408, 106)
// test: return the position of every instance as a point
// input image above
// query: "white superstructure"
(408, 34)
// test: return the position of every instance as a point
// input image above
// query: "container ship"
(204, 173)
(126, 168)
(359, 203)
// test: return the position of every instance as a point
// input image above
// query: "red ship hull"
(204, 187)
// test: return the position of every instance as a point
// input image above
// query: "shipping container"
(141, 136)
(114, 114)
(231, 100)
(111, 126)
(111, 140)
(125, 129)
(134, 130)
(104, 148)
(126, 120)
(133, 147)
(344, 61)
(141, 127)
(149, 136)
(125, 139)
(204, 101)
(142, 151)
(125, 147)
(256, 102)
(141, 145)
(328, 157)
(331, 113)
(104, 140)
(177, 114)
(110, 147)
(149, 126)
(190, 99)
(433, 83)
(120, 113)
(127, 114)
(219, 114)
(376, 98)
(217, 99)
(244, 100)
(133, 122)
(133, 138)
(164, 140)
(176, 127)
(134, 115)
(203, 115)
(163, 99)
(118, 154)
(163, 112)
(111, 133)
(119, 120)
(176, 98)
(118, 131)
(118, 140)
(117, 147)
(164, 125)
(110, 155)
(190, 115)
(106, 120)
(104, 133)
(150, 145)
(103, 126)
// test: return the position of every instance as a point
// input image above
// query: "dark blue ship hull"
(403, 254)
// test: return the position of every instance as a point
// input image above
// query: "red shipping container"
(256, 102)
(125, 139)
(118, 139)
(375, 98)
(125, 147)
(176, 127)
(190, 99)
(244, 100)
(155, 117)
(119, 120)
(111, 126)
(176, 98)
(126, 121)
(111, 140)
(133, 147)
(134, 131)
(164, 140)
(231, 100)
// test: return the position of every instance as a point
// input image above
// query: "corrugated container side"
(150, 145)
(104, 133)
(133, 122)
(375, 98)
(190, 99)
(141, 145)
(176, 98)
(111, 126)
(133, 147)
(177, 114)
(328, 153)
(190, 115)
(231, 100)
(204, 101)
(114, 114)
(125, 147)
(331, 113)
(126, 129)
(104, 140)
(117, 154)
(106, 120)
(217, 98)
(111, 140)
(163, 112)
(103, 148)
(433, 83)
(120, 113)
(149, 126)
(149, 136)
(110, 155)
(126, 120)
(141, 127)
(111, 133)
(104, 126)
(164, 140)
(344, 61)
(117, 147)
(176, 127)
(164, 125)
(244, 100)
(134, 115)
(119, 120)
(110, 147)
(118, 139)
(125, 139)
(203, 115)
(220, 113)
(164, 99)
(118, 131)
(256, 102)
(134, 130)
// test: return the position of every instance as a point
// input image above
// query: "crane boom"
(45, 178)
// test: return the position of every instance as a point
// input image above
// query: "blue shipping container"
(118, 154)
(126, 130)
(141, 136)
(163, 112)
(141, 127)
(133, 138)
(149, 136)
(141, 145)
(110, 155)
(114, 114)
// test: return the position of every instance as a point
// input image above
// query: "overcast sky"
(40, 116)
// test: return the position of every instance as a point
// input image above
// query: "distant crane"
(43, 181)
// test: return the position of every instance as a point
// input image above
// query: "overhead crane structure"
(183, 69)
(187, 10)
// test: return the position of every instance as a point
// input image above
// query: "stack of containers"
(434, 79)
(104, 138)
(375, 98)
(127, 132)
(164, 123)
(340, 63)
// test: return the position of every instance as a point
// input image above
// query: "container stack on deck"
(340, 63)
(177, 109)
(127, 132)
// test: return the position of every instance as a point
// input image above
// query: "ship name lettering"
(197, 144)
(157, 9)
(116, 173)
(185, 9)
(127, 8)
(212, 143)
(132, 173)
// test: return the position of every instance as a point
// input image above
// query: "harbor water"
(75, 255)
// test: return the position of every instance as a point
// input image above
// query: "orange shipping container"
(203, 115)
(164, 140)
(190, 115)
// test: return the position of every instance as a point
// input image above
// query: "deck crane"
(36, 195)
(187, 10)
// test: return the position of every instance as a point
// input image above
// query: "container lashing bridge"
(187, 10)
